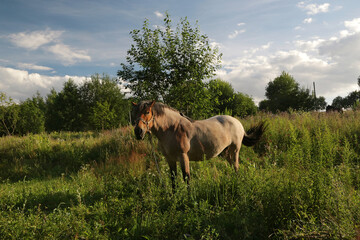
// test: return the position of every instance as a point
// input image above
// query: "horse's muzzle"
(139, 133)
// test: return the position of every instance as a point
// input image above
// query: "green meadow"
(300, 182)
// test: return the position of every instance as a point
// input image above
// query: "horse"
(182, 139)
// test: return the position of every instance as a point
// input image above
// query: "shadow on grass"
(47, 202)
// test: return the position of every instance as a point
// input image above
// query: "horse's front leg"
(173, 172)
(185, 166)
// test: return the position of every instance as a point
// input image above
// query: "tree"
(102, 96)
(9, 115)
(226, 101)
(284, 93)
(80, 107)
(164, 63)
(222, 94)
(243, 105)
(64, 109)
(32, 115)
(352, 99)
(102, 116)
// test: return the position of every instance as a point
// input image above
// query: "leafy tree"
(284, 93)
(102, 116)
(9, 115)
(319, 103)
(192, 98)
(169, 64)
(222, 95)
(101, 94)
(227, 101)
(338, 102)
(281, 92)
(243, 105)
(32, 115)
(64, 109)
(351, 100)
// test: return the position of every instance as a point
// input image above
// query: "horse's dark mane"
(159, 110)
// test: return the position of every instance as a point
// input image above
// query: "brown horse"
(182, 139)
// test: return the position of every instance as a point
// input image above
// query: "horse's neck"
(165, 122)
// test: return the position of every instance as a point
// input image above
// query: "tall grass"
(300, 182)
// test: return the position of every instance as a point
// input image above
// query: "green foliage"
(226, 101)
(284, 93)
(96, 104)
(222, 95)
(32, 116)
(102, 116)
(102, 97)
(347, 102)
(64, 109)
(9, 115)
(170, 64)
(301, 182)
(243, 105)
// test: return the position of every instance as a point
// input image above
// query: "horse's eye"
(147, 113)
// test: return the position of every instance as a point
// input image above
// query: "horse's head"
(143, 118)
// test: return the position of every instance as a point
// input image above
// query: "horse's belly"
(202, 150)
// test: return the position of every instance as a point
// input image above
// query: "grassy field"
(301, 182)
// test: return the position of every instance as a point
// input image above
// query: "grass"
(300, 182)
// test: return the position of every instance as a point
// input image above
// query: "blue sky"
(44, 43)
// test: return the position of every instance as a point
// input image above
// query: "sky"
(43, 43)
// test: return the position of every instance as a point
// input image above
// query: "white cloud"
(332, 63)
(313, 9)
(68, 55)
(31, 66)
(308, 20)
(48, 41)
(241, 24)
(236, 33)
(34, 40)
(353, 25)
(159, 14)
(19, 84)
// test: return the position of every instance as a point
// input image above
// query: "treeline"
(352, 100)
(95, 104)
(100, 104)
(284, 93)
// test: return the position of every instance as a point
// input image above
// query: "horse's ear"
(134, 103)
(152, 104)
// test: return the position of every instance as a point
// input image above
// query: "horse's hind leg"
(236, 159)
(232, 156)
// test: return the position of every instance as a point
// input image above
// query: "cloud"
(34, 40)
(332, 63)
(313, 9)
(159, 14)
(308, 20)
(353, 25)
(48, 41)
(68, 55)
(31, 66)
(20, 84)
(235, 33)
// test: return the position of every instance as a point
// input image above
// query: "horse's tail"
(253, 135)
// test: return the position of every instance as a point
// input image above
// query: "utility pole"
(314, 90)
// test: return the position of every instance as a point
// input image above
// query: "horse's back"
(213, 135)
